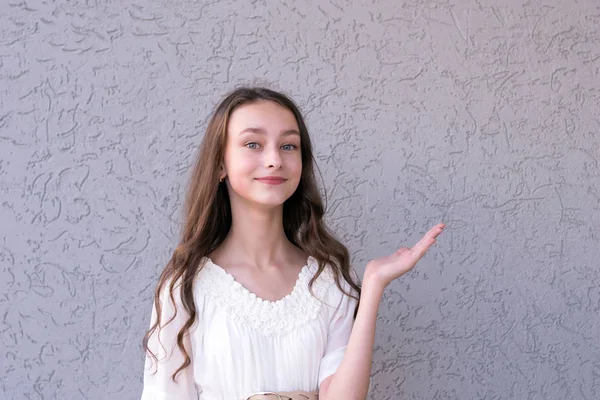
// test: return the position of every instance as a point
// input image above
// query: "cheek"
(297, 165)
(237, 163)
(241, 171)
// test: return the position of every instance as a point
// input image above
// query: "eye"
(289, 147)
(252, 145)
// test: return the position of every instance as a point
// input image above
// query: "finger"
(425, 243)
(437, 229)
(433, 232)
(422, 246)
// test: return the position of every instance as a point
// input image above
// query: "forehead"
(267, 115)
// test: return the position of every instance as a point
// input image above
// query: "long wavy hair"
(207, 216)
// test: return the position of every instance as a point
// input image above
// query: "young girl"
(259, 300)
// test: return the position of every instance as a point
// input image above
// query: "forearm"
(351, 380)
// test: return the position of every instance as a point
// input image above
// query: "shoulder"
(334, 287)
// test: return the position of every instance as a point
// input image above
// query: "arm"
(351, 380)
(158, 384)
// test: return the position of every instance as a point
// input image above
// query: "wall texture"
(481, 114)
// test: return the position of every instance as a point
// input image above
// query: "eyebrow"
(263, 131)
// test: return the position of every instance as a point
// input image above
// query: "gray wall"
(480, 114)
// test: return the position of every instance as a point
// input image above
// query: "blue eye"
(289, 147)
(252, 145)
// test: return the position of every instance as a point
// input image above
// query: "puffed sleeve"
(158, 384)
(340, 327)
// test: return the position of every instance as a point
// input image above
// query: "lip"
(271, 180)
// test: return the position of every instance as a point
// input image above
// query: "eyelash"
(294, 147)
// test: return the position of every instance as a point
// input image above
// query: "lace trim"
(272, 318)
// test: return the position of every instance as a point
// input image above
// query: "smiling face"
(263, 159)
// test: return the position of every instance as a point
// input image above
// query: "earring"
(221, 179)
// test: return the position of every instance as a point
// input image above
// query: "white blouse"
(241, 344)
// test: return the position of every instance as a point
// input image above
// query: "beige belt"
(297, 395)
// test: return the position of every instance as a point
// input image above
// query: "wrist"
(371, 284)
(373, 278)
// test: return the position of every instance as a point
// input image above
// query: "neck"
(257, 234)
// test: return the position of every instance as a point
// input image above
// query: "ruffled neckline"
(301, 279)
(272, 318)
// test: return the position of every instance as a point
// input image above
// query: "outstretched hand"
(384, 270)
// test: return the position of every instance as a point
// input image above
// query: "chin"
(266, 198)
(270, 201)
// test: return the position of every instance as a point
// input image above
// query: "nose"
(273, 159)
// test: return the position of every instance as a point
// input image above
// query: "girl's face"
(262, 162)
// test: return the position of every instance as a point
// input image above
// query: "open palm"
(385, 269)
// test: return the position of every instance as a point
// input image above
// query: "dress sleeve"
(340, 327)
(158, 384)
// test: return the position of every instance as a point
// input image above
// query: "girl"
(259, 300)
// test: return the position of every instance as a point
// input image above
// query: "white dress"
(241, 344)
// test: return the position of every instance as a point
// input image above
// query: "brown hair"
(207, 215)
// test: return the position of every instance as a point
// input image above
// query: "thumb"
(402, 250)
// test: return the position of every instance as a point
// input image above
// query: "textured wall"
(480, 114)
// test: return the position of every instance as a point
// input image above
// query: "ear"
(222, 173)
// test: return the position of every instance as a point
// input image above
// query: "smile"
(271, 180)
